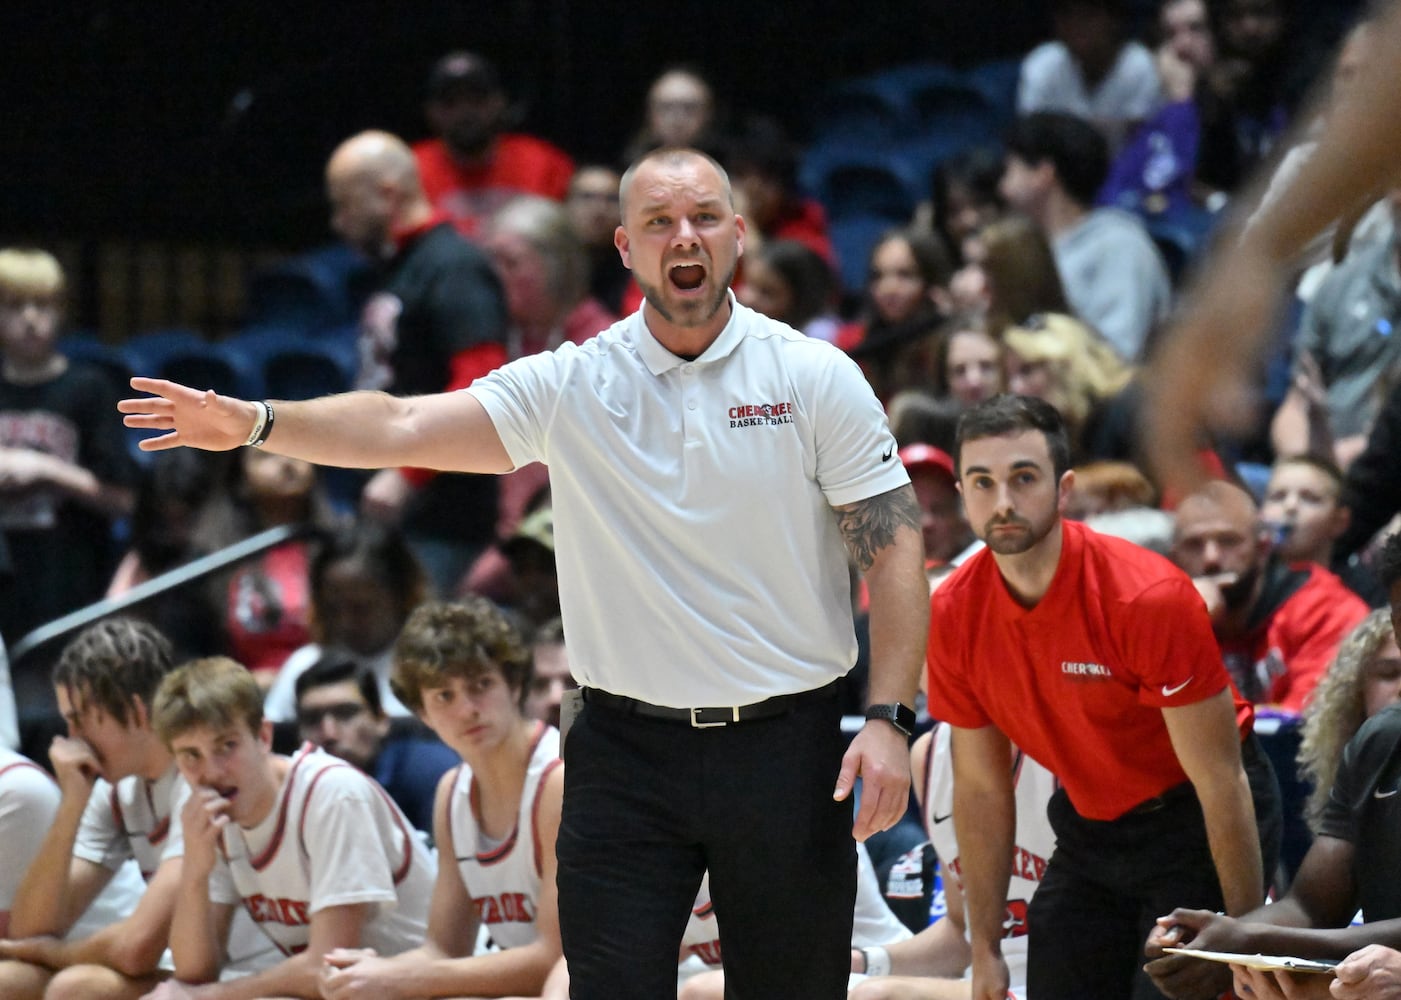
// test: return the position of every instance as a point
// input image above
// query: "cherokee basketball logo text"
(1085, 671)
(761, 415)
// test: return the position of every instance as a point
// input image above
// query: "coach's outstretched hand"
(194, 418)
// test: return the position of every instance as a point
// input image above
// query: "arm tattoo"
(870, 525)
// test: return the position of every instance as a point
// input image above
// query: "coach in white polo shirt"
(712, 472)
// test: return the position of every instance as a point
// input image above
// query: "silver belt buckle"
(697, 724)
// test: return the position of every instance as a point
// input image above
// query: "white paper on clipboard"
(1269, 963)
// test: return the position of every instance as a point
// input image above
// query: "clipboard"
(1269, 963)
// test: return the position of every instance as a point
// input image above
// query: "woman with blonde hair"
(1057, 358)
(1363, 679)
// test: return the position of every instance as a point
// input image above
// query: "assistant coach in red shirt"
(1097, 658)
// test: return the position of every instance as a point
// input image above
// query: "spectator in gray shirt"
(1113, 274)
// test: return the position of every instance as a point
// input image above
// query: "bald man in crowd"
(436, 323)
(1278, 625)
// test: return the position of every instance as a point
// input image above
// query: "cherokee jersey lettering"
(503, 880)
(334, 838)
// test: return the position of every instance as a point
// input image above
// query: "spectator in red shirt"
(472, 166)
(1278, 625)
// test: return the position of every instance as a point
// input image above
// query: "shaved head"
(376, 157)
(672, 157)
(1219, 534)
(373, 185)
(1220, 499)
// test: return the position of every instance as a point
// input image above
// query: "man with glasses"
(339, 710)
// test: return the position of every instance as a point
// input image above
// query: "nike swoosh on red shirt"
(1168, 692)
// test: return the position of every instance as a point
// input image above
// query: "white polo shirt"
(699, 558)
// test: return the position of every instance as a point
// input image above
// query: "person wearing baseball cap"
(473, 165)
(945, 527)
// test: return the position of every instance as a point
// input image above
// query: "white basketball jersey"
(1032, 848)
(335, 838)
(29, 799)
(503, 878)
(134, 818)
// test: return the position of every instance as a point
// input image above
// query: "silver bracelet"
(260, 426)
(877, 961)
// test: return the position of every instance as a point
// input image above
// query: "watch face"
(898, 714)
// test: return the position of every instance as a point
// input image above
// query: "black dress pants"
(1109, 880)
(651, 804)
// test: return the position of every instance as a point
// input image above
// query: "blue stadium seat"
(997, 80)
(863, 110)
(853, 237)
(86, 348)
(294, 364)
(145, 353)
(313, 291)
(907, 80)
(309, 369)
(922, 151)
(1180, 236)
(879, 187)
(956, 108)
(209, 366)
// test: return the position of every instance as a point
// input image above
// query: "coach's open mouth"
(687, 276)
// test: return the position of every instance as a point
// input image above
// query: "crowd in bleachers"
(1021, 226)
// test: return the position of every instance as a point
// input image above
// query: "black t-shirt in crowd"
(61, 552)
(438, 297)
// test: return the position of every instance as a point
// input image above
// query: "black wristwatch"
(898, 714)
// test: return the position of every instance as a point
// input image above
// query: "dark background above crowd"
(212, 121)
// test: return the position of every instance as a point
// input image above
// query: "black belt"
(709, 718)
(1174, 794)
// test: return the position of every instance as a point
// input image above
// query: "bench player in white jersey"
(118, 791)
(29, 801)
(309, 846)
(465, 671)
(930, 966)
